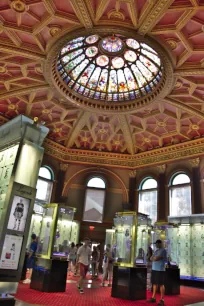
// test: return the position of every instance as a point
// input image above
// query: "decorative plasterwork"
(54, 79)
(82, 12)
(194, 148)
(154, 15)
(132, 173)
(161, 168)
(64, 167)
(195, 162)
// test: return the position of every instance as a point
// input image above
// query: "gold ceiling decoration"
(155, 131)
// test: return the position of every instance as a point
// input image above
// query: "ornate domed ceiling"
(113, 77)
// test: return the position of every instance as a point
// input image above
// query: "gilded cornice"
(186, 150)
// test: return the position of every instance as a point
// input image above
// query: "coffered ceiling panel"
(30, 28)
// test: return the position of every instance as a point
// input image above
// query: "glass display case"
(75, 232)
(36, 223)
(125, 238)
(143, 237)
(110, 237)
(186, 236)
(55, 231)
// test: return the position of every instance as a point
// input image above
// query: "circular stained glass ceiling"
(106, 72)
(112, 68)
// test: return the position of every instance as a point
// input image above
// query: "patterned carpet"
(100, 296)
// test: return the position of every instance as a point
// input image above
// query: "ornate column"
(60, 182)
(196, 188)
(132, 190)
(162, 194)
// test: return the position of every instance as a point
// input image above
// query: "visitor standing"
(108, 265)
(31, 258)
(94, 261)
(149, 267)
(72, 259)
(158, 272)
(83, 259)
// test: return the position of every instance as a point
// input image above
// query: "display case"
(186, 236)
(110, 237)
(144, 229)
(125, 238)
(55, 232)
(36, 223)
(75, 232)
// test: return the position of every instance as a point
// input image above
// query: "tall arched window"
(148, 198)
(94, 200)
(44, 185)
(180, 195)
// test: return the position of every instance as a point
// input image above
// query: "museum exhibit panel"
(50, 270)
(129, 281)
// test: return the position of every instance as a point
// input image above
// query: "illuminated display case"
(143, 237)
(56, 230)
(125, 238)
(75, 232)
(187, 244)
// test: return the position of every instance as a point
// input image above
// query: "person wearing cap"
(158, 272)
(83, 259)
(31, 258)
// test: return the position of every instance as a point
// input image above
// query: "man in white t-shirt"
(83, 259)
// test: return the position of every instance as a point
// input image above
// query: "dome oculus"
(110, 68)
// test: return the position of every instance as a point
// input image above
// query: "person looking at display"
(72, 259)
(83, 259)
(31, 258)
(107, 265)
(158, 272)
(94, 261)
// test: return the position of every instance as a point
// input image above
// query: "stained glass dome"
(110, 68)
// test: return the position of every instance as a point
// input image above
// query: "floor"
(94, 295)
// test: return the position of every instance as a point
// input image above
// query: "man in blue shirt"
(158, 272)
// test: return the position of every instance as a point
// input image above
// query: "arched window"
(94, 200)
(148, 198)
(44, 185)
(180, 195)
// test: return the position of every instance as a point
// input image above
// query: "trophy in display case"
(125, 238)
(55, 233)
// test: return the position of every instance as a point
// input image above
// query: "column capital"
(132, 173)
(64, 167)
(161, 168)
(195, 162)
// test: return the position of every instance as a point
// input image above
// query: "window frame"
(172, 187)
(95, 188)
(142, 191)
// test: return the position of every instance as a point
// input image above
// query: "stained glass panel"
(102, 60)
(130, 56)
(92, 39)
(131, 74)
(132, 43)
(112, 44)
(117, 62)
(91, 51)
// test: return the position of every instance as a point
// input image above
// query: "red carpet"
(100, 297)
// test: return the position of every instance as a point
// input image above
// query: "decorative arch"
(98, 171)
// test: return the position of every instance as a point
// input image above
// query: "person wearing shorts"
(158, 272)
(83, 259)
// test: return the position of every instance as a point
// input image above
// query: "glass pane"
(44, 191)
(180, 201)
(123, 236)
(181, 179)
(45, 233)
(46, 173)
(94, 204)
(96, 182)
(148, 204)
(149, 184)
